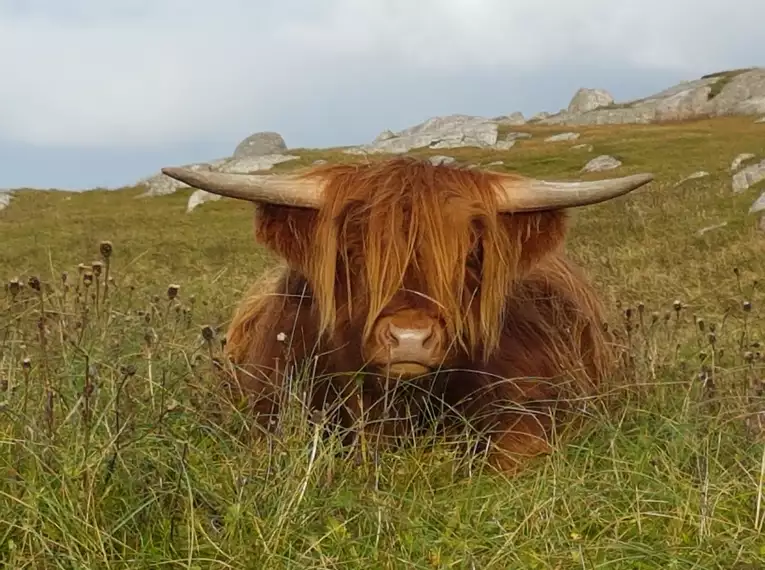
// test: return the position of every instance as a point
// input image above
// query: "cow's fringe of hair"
(441, 210)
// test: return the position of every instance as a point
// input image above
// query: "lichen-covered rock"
(600, 163)
(259, 144)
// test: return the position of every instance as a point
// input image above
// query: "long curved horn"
(528, 195)
(289, 190)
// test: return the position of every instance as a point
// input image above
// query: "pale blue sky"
(104, 92)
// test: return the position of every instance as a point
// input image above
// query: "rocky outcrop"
(738, 92)
(5, 199)
(513, 119)
(452, 131)
(260, 144)
(585, 100)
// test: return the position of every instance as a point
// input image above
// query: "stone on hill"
(739, 92)
(5, 199)
(759, 205)
(600, 163)
(539, 117)
(748, 176)
(588, 100)
(760, 120)
(741, 158)
(584, 146)
(504, 145)
(695, 175)
(451, 131)
(259, 144)
(515, 135)
(562, 137)
(441, 159)
(513, 119)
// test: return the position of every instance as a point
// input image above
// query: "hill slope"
(112, 456)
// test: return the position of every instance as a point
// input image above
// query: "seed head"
(748, 356)
(34, 283)
(172, 291)
(64, 277)
(87, 278)
(14, 286)
(128, 370)
(208, 333)
(106, 249)
(747, 305)
(97, 268)
(700, 323)
(26, 364)
(677, 305)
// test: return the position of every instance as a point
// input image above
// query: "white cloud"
(151, 73)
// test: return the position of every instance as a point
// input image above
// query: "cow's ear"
(537, 234)
(287, 231)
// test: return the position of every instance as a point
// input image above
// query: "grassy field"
(112, 456)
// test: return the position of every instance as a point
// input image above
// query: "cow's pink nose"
(407, 344)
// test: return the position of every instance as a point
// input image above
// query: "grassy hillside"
(112, 456)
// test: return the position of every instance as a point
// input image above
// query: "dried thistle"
(106, 249)
(172, 291)
(14, 286)
(97, 268)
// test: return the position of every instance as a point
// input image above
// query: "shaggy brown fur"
(524, 324)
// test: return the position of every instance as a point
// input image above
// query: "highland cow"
(440, 284)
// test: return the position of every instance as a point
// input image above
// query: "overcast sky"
(104, 92)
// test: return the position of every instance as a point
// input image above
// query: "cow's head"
(419, 259)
